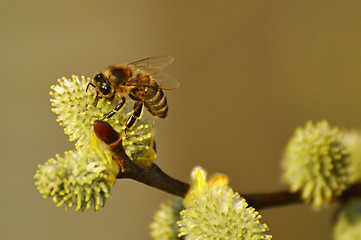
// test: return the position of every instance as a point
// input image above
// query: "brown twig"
(153, 176)
(156, 178)
(273, 199)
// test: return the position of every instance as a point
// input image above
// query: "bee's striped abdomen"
(157, 104)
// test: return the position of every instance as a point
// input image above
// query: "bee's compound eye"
(99, 77)
(105, 89)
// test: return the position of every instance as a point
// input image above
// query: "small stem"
(153, 176)
(274, 199)
(351, 192)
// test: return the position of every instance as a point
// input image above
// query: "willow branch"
(153, 176)
(156, 178)
(273, 199)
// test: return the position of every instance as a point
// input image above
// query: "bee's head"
(102, 87)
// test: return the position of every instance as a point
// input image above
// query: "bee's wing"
(153, 67)
(164, 80)
(157, 62)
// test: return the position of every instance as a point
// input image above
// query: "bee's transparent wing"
(166, 81)
(157, 62)
(153, 67)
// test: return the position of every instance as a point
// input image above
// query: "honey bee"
(143, 81)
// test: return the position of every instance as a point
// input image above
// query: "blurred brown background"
(250, 72)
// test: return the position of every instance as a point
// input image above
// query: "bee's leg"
(96, 100)
(116, 109)
(132, 119)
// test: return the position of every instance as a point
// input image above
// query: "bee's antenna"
(88, 86)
